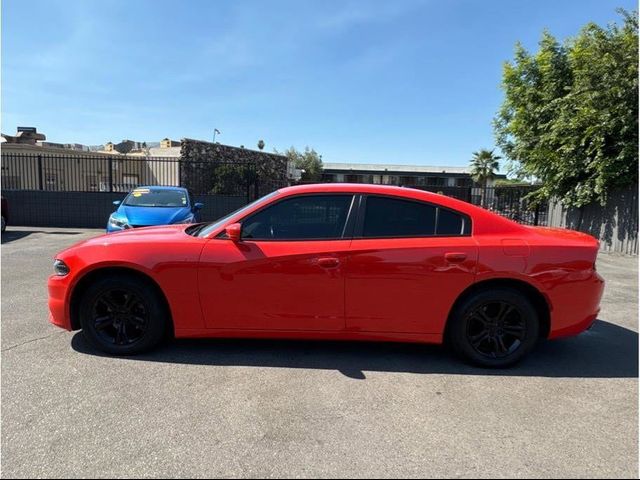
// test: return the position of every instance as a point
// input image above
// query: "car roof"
(347, 187)
(376, 189)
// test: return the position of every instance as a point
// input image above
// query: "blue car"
(149, 206)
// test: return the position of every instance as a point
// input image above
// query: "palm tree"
(484, 165)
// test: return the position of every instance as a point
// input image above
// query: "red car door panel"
(406, 284)
(273, 285)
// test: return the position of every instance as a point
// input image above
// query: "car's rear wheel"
(122, 315)
(494, 328)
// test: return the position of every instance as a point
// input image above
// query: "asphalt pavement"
(239, 408)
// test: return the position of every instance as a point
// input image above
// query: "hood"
(154, 215)
(167, 233)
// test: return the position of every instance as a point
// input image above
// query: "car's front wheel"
(494, 328)
(122, 315)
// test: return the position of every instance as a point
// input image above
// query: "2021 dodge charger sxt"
(334, 261)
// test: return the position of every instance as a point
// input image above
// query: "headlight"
(118, 222)
(60, 268)
(189, 219)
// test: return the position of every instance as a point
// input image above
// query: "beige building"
(166, 143)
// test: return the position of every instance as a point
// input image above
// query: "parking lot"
(301, 409)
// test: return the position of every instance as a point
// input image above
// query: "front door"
(286, 273)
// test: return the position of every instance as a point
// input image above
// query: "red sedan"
(339, 262)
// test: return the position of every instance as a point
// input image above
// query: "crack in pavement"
(12, 347)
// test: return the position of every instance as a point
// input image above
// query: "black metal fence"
(111, 173)
(78, 190)
(514, 202)
(227, 184)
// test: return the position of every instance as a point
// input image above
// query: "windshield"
(156, 197)
(207, 229)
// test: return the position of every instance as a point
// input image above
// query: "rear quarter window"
(450, 223)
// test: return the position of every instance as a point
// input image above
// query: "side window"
(394, 217)
(300, 218)
(390, 217)
(450, 223)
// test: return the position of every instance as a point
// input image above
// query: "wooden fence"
(614, 224)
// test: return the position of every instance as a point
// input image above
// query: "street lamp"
(215, 130)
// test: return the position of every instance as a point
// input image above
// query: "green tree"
(309, 161)
(231, 179)
(510, 182)
(484, 165)
(570, 112)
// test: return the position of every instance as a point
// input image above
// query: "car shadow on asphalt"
(605, 351)
(13, 235)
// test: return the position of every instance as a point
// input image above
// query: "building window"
(328, 177)
(409, 181)
(435, 181)
(352, 178)
(366, 178)
(390, 179)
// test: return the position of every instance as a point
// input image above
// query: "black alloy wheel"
(494, 328)
(123, 314)
(120, 317)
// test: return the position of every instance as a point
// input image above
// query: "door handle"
(455, 257)
(328, 262)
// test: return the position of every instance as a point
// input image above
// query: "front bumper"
(59, 312)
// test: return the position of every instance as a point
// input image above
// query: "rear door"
(408, 262)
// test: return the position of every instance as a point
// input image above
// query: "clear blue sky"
(360, 81)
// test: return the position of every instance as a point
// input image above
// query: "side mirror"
(117, 203)
(197, 206)
(234, 231)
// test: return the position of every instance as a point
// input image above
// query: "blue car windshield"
(156, 197)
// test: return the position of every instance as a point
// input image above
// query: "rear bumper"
(576, 305)
(58, 305)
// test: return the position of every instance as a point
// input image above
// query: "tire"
(123, 315)
(494, 328)
(4, 224)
